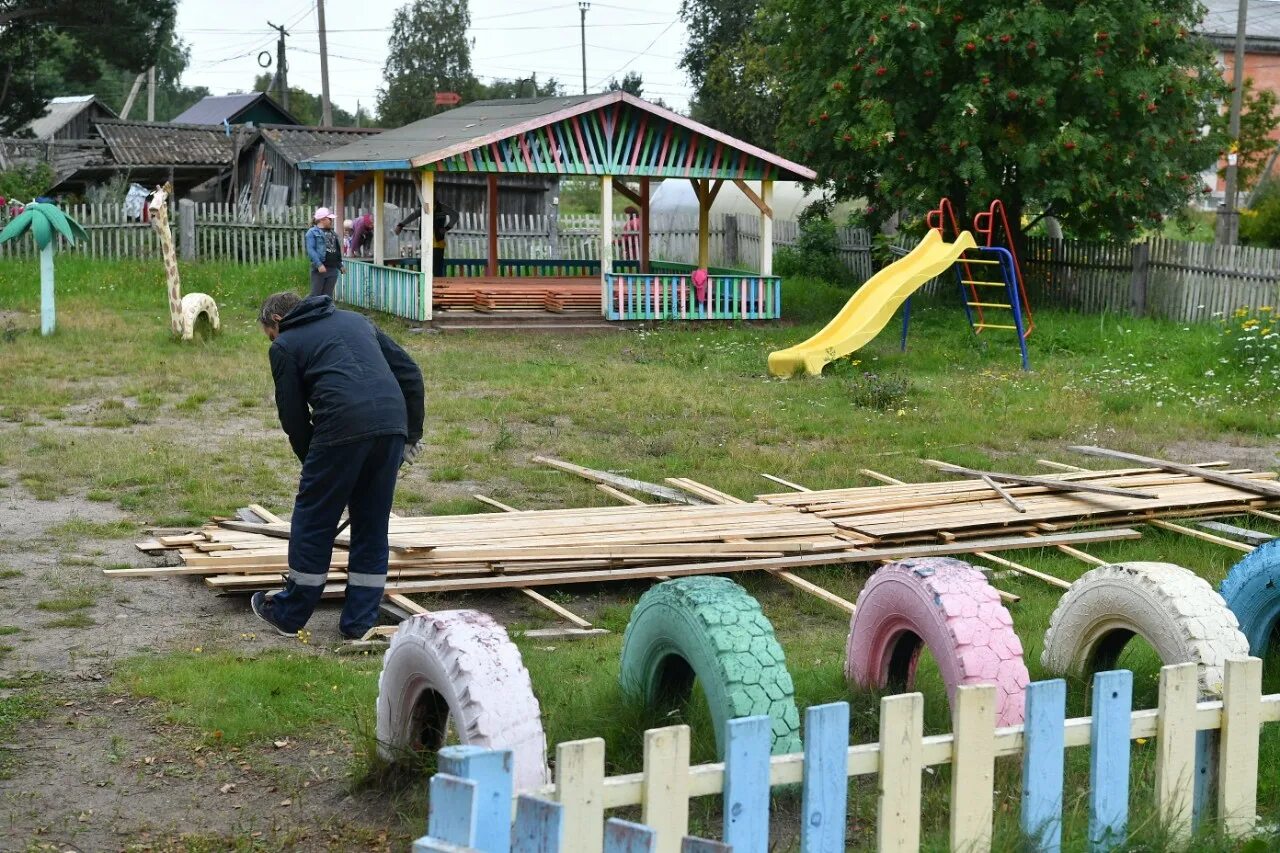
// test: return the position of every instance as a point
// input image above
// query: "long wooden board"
(1242, 483)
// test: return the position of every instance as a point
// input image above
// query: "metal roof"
(1262, 24)
(473, 126)
(215, 109)
(62, 110)
(163, 144)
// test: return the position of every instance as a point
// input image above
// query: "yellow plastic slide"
(872, 306)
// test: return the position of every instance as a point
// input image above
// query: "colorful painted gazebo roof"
(607, 134)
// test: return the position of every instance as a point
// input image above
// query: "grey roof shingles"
(159, 144)
(297, 142)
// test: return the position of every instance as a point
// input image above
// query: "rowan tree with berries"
(1102, 114)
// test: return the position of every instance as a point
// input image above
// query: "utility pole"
(1228, 217)
(583, 6)
(282, 67)
(151, 93)
(133, 94)
(326, 111)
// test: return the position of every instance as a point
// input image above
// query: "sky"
(511, 39)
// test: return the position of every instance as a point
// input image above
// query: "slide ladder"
(980, 272)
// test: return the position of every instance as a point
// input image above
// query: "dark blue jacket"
(339, 379)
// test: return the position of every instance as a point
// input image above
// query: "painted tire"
(949, 607)
(460, 665)
(1174, 610)
(1252, 591)
(710, 629)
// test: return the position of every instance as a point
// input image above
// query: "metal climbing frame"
(1009, 280)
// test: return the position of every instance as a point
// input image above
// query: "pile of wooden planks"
(490, 295)
(698, 529)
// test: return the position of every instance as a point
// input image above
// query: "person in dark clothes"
(352, 403)
(442, 223)
(324, 251)
(362, 235)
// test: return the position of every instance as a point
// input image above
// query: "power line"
(611, 74)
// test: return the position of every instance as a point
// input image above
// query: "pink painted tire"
(948, 606)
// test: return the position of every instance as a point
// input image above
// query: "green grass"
(72, 620)
(236, 700)
(6, 630)
(169, 440)
(16, 710)
(71, 599)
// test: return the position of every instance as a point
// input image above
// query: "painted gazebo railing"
(1206, 765)
(672, 296)
(393, 290)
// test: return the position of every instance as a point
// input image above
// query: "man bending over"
(351, 401)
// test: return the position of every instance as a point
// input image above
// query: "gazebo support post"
(339, 200)
(701, 188)
(379, 217)
(766, 228)
(427, 198)
(606, 240)
(491, 266)
(644, 225)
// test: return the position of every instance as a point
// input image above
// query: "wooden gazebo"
(613, 136)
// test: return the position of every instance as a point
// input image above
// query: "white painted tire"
(460, 665)
(1177, 612)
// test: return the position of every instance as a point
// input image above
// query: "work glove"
(410, 454)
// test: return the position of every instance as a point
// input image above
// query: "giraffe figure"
(184, 311)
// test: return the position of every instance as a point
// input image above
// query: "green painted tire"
(710, 629)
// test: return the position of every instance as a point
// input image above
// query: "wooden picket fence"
(1206, 767)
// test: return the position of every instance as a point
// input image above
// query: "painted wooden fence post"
(1109, 759)
(826, 749)
(579, 788)
(973, 767)
(901, 762)
(621, 836)
(1042, 764)
(1175, 749)
(1141, 260)
(666, 785)
(490, 770)
(539, 826)
(451, 817)
(746, 784)
(702, 845)
(187, 229)
(1238, 761)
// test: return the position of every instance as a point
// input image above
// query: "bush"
(817, 250)
(1260, 222)
(25, 183)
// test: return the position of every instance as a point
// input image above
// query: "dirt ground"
(101, 770)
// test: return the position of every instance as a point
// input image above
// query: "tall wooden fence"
(1206, 767)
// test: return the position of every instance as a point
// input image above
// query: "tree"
(428, 53)
(632, 84)
(1257, 121)
(735, 89)
(524, 87)
(126, 33)
(1094, 113)
(305, 106)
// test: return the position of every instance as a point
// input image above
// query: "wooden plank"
(1238, 757)
(563, 633)
(452, 810)
(666, 785)
(1042, 764)
(748, 742)
(579, 788)
(1026, 570)
(539, 826)
(562, 612)
(1243, 484)
(1043, 482)
(973, 767)
(265, 514)
(621, 836)
(493, 503)
(490, 770)
(815, 590)
(1269, 516)
(1109, 760)
(1175, 749)
(1251, 537)
(770, 563)
(1202, 535)
(405, 603)
(790, 485)
(620, 495)
(884, 478)
(901, 762)
(667, 494)
(1008, 498)
(823, 805)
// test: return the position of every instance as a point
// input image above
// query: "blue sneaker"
(262, 609)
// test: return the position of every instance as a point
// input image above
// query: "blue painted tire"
(1252, 591)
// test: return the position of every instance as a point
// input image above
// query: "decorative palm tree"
(45, 221)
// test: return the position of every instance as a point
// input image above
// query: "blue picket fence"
(1206, 765)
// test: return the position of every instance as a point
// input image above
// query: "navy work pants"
(360, 476)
